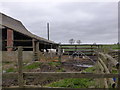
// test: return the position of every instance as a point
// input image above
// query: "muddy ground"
(65, 66)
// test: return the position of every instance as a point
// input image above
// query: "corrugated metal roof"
(19, 27)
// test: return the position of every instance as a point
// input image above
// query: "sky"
(90, 22)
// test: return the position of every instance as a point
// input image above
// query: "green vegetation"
(54, 63)
(61, 70)
(112, 46)
(102, 47)
(114, 71)
(11, 70)
(33, 65)
(76, 82)
(89, 70)
(73, 83)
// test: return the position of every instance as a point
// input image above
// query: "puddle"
(80, 65)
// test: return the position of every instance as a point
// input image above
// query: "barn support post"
(33, 45)
(57, 47)
(35, 49)
(9, 39)
(20, 67)
(59, 53)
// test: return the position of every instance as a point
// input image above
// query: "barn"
(13, 34)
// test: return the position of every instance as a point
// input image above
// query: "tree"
(78, 41)
(118, 43)
(94, 43)
(71, 41)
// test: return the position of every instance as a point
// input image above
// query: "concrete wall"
(12, 56)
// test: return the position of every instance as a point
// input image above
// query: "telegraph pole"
(48, 30)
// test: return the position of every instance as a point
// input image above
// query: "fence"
(87, 49)
(61, 75)
(105, 65)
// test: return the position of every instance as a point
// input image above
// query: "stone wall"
(12, 56)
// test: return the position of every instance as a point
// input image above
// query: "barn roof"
(16, 25)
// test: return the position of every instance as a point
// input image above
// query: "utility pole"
(48, 30)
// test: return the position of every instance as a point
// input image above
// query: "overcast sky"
(90, 22)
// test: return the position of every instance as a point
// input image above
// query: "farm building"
(15, 34)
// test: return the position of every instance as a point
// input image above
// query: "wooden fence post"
(20, 64)
(51, 54)
(118, 85)
(91, 49)
(59, 53)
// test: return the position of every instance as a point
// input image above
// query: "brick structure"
(9, 40)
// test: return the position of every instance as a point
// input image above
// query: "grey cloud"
(90, 22)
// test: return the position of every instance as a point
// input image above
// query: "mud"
(65, 66)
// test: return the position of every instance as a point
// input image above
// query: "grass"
(11, 70)
(103, 47)
(54, 63)
(89, 70)
(114, 70)
(112, 46)
(61, 70)
(27, 67)
(73, 83)
(33, 65)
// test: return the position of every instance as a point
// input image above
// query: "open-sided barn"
(15, 34)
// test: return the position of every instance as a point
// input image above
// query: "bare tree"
(78, 41)
(94, 43)
(118, 43)
(71, 41)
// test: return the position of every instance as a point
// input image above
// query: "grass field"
(110, 46)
